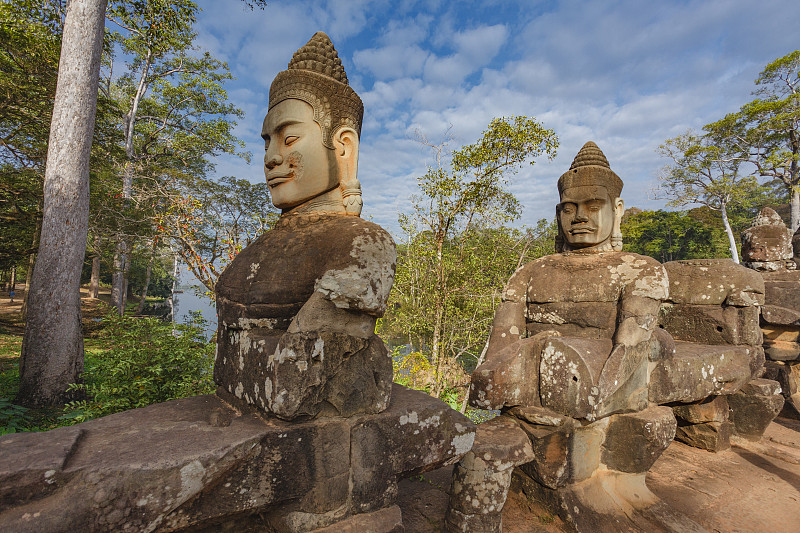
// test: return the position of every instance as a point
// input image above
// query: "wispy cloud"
(627, 74)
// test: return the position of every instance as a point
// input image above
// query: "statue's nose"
(272, 161)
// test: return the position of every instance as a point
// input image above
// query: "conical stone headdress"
(590, 167)
(316, 76)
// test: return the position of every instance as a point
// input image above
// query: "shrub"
(147, 361)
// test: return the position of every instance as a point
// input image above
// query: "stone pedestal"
(780, 322)
(482, 478)
(198, 464)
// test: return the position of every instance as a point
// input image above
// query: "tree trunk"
(29, 272)
(52, 347)
(436, 347)
(146, 280)
(728, 231)
(118, 287)
(94, 283)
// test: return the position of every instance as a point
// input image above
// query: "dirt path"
(751, 488)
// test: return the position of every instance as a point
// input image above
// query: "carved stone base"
(607, 501)
(197, 464)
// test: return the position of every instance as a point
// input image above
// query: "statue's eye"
(567, 208)
(290, 139)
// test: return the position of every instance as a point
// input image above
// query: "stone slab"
(196, 462)
(714, 282)
(712, 324)
(697, 371)
(749, 489)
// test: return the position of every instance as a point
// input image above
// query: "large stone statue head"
(590, 210)
(311, 133)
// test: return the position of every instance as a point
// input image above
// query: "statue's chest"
(588, 284)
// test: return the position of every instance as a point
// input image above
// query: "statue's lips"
(581, 231)
(274, 181)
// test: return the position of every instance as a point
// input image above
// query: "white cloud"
(393, 61)
(627, 75)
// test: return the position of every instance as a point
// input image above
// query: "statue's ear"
(345, 142)
(619, 207)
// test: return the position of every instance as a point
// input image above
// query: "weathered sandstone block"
(196, 462)
(711, 436)
(482, 478)
(697, 371)
(634, 441)
(754, 407)
(712, 409)
(714, 282)
(712, 324)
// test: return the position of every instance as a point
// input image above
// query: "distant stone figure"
(767, 244)
(297, 308)
(567, 363)
(590, 291)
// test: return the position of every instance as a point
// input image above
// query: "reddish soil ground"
(751, 488)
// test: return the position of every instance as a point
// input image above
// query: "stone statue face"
(297, 165)
(586, 215)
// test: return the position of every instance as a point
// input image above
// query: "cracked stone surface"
(751, 487)
(197, 464)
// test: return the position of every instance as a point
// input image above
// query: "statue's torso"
(578, 294)
(270, 280)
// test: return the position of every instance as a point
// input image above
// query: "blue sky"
(626, 74)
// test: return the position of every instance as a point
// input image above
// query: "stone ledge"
(196, 462)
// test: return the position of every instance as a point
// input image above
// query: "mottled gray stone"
(697, 371)
(713, 282)
(196, 462)
(635, 440)
(754, 407)
(712, 324)
(482, 478)
(551, 447)
(712, 409)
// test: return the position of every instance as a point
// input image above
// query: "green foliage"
(673, 235)
(765, 131)
(13, 418)
(705, 170)
(147, 361)
(439, 301)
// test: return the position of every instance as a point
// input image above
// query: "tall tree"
(766, 131)
(470, 192)
(52, 348)
(704, 170)
(176, 110)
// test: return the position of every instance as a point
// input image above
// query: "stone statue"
(767, 244)
(602, 301)
(567, 363)
(297, 308)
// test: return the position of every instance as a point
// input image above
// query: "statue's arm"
(636, 320)
(640, 300)
(350, 299)
(508, 325)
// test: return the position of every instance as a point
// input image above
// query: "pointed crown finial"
(315, 75)
(590, 167)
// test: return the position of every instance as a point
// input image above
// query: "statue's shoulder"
(362, 281)
(645, 276)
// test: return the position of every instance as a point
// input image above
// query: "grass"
(14, 418)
